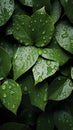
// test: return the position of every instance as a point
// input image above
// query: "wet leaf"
(5, 63)
(60, 88)
(24, 59)
(6, 10)
(55, 54)
(44, 69)
(10, 95)
(45, 121)
(63, 120)
(64, 35)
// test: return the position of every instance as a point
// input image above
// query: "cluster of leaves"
(36, 64)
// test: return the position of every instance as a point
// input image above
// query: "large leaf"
(5, 63)
(6, 10)
(43, 69)
(55, 10)
(21, 30)
(10, 95)
(33, 30)
(64, 35)
(14, 126)
(63, 120)
(38, 94)
(27, 2)
(45, 121)
(55, 54)
(68, 7)
(60, 88)
(24, 59)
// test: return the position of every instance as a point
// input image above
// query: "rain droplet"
(64, 46)
(3, 87)
(40, 52)
(40, 79)
(4, 95)
(48, 62)
(43, 32)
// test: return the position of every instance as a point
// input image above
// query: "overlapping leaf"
(60, 89)
(44, 69)
(24, 59)
(64, 35)
(10, 95)
(6, 10)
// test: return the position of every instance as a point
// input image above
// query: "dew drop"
(40, 79)
(40, 52)
(3, 87)
(4, 95)
(48, 62)
(43, 32)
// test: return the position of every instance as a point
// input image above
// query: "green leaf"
(64, 35)
(45, 121)
(14, 126)
(27, 2)
(63, 120)
(38, 94)
(72, 72)
(44, 69)
(68, 7)
(6, 10)
(60, 88)
(55, 12)
(5, 63)
(10, 95)
(21, 30)
(24, 59)
(55, 54)
(42, 28)
(37, 29)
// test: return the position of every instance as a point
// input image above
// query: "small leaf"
(42, 28)
(45, 121)
(10, 95)
(21, 30)
(5, 63)
(60, 88)
(43, 69)
(55, 54)
(27, 2)
(72, 72)
(6, 10)
(63, 120)
(14, 126)
(64, 35)
(38, 94)
(55, 12)
(24, 59)
(68, 7)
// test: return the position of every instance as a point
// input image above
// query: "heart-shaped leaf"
(64, 35)
(24, 59)
(10, 95)
(63, 120)
(6, 10)
(27, 2)
(14, 126)
(68, 7)
(55, 10)
(45, 121)
(33, 30)
(5, 63)
(43, 69)
(38, 94)
(60, 88)
(72, 72)
(55, 54)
